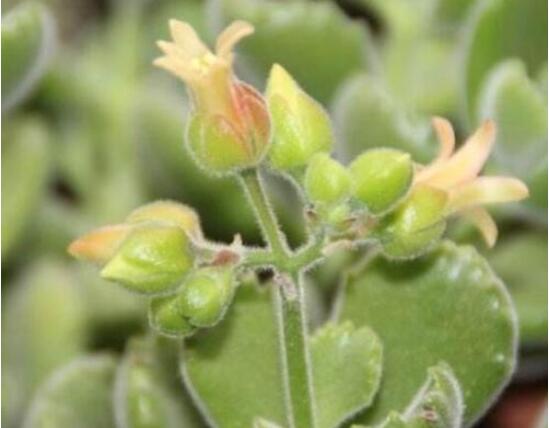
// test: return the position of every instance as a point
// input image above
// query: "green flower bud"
(152, 259)
(326, 180)
(170, 212)
(234, 138)
(301, 127)
(416, 225)
(164, 316)
(206, 295)
(335, 215)
(381, 178)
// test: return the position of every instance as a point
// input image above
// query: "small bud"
(301, 127)
(98, 246)
(153, 259)
(415, 225)
(238, 139)
(206, 295)
(326, 180)
(164, 317)
(381, 178)
(336, 216)
(170, 212)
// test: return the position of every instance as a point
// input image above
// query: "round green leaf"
(346, 371)
(499, 29)
(77, 395)
(44, 326)
(144, 397)
(526, 278)
(366, 116)
(519, 108)
(233, 370)
(447, 306)
(25, 167)
(28, 36)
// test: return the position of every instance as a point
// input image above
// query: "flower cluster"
(382, 196)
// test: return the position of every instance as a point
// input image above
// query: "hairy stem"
(296, 362)
(291, 314)
(265, 215)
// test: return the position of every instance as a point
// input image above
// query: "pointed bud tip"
(280, 80)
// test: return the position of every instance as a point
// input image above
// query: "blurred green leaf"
(518, 107)
(25, 168)
(44, 325)
(521, 261)
(367, 116)
(499, 29)
(144, 397)
(347, 365)
(28, 38)
(452, 13)
(447, 306)
(314, 41)
(77, 395)
(233, 370)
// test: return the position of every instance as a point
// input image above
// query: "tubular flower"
(230, 126)
(457, 174)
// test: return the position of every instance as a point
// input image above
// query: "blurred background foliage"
(92, 130)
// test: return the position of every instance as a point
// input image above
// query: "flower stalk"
(292, 326)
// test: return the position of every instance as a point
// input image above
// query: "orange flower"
(457, 174)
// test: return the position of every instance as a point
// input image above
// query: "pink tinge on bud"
(233, 129)
(253, 119)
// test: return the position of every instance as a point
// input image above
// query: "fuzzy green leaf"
(489, 39)
(519, 108)
(346, 371)
(25, 166)
(28, 35)
(232, 370)
(43, 327)
(526, 278)
(366, 116)
(77, 395)
(302, 36)
(144, 397)
(447, 306)
(437, 404)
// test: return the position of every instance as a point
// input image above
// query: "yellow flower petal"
(187, 39)
(466, 163)
(447, 141)
(446, 137)
(486, 190)
(230, 37)
(175, 66)
(484, 222)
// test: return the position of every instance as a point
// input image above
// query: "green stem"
(295, 353)
(265, 215)
(291, 314)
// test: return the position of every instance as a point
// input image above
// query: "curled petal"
(484, 222)
(186, 38)
(99, 245)
(487, 190)
(446, 137)
(230, 37)
(466, 163)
